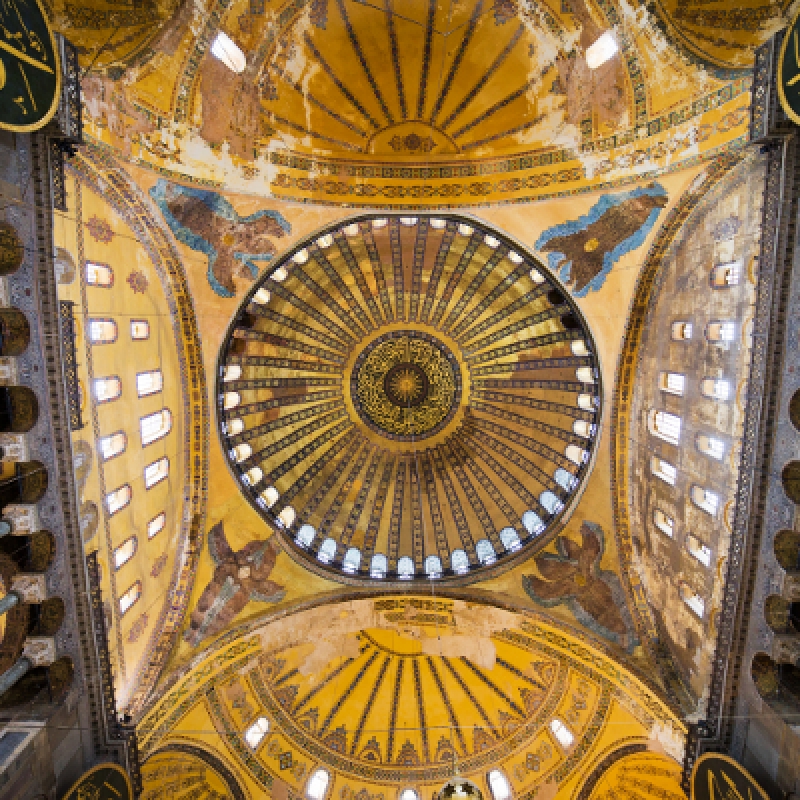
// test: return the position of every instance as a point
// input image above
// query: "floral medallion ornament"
(99, 229)
(138, 282)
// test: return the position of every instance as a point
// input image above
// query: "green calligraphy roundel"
(30, 76)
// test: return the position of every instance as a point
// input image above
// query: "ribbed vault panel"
(409, 398)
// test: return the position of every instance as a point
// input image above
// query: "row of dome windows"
(319, 782)
(717, 331)
(667, 426)
(105, 331)
(109, 389)
(152, 427)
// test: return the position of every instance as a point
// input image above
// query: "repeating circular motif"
(409, 398)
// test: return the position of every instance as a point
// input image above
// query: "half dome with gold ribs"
(409, 398)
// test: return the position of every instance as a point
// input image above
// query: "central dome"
(409, 398)
(406, 385)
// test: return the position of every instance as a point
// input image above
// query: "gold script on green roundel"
(30, 78)
(719, 777)
(789, 71)
(103, 782)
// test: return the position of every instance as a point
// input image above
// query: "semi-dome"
(409, 398)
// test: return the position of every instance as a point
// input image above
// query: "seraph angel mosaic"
(584, 250)
(208, 223)
(239, 577)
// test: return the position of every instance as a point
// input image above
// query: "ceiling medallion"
(406, 385)
(409, 399)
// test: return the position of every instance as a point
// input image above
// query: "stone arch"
(50, 615)
(787, 549)
(32, 477)
(776, 613)
(182, 755)
(41, 551)
(89, 518)
(16, 618)
(790, 477)
(64, 266)
(15, 332)
(19, 409)
(12, 251)
(778, 685)
(41, 685)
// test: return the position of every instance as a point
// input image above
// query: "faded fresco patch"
(584, 250)
(208, 223)
(573, 577)
(239, 577)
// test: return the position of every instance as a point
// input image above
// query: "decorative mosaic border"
(102, 173)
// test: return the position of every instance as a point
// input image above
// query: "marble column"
(8, 602)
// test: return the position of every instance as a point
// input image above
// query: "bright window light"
(562, 733)
(149, 382)
(664, 523)
(124, 552)
(317, 785)
(498, 783)
(228, 52)
(156, 525)
(256, 732)
(409, 794)
(378, 566)
(604, 49)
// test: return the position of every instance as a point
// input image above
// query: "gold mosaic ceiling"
(409, 398)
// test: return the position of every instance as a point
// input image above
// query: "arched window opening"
(327, 551)
(256, 732)
(102, 331)
(532, 523)
(587, 402)
(577, 455)
(578, 347)
(118, 499)
(585, 374)
(305, 535)
(156, 525)
(583, 428)
(106, 389)
(698, 550)
(664, 523)
(485, 552)
(566, 480)
(99, 275)
(148, 383)
(232, 372)
(787, 549)
(459, 562)
(113, 445)
(233, 427)
(155, 426)
(379, 566)
(693, 600)
(269, 496)
(710, 446)
(563, 734)
(261, 296)
(672, 383)
(253, 476)
(125, 552)
(705, 499)
(498, 785)
(715, 388)
(550, 502)
(510, 540)
(723, 276)
(720, 331)
(663, 470)
(408, 794)
(317, 785)
(286, 517)
(778, 684)
(156, 472)
(241, 452)
(681, 331)
(231, 400)
(666, 426)
(130, 597)
(433, 567)
(352, 560)
(140, 330)
(405, 568)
